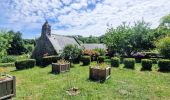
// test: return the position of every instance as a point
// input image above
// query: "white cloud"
(78, 16)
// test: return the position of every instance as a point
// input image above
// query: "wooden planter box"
(8, 87)
(58, 68)
(99, 74)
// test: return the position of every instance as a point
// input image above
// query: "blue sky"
(78, 17)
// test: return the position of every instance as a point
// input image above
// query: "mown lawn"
(39, 84)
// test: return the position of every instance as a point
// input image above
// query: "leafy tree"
(90, 39)
(163, 46)
(5, 38)
(17, 45)
(127, 40)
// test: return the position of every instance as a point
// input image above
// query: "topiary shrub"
(129, 63)
(146, 64)
(47, 60)
(101, 59)
(115, 62)
(164, 65)
(86, 60)
(24, 64)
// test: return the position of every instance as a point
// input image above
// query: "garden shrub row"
(25, 64)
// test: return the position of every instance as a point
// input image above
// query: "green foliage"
(154, 60)
(101, 59)
(146, 64)
(47, 60)
(86, 60)
(5, 38)
(72, 51)
(8, 59)
(17, 45)
(115, 62)
(127, 39)
(129, 63)
(90, 39)
(101, 52)
(163, 46)
(24, 64)
(164, 65)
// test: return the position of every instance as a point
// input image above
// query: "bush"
(86, 60)
(72, 51)
(146, 64)
(129, 63)
(164, 46)
(101, 59)
(49, 60)
(24, 64)
(164, 65)
(115, 62)
(8, 59)
(154, 60)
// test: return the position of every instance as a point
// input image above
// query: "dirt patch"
(73, 91)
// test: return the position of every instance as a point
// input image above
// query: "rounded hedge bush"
(101, 59)
(164, 65)
(24, 64)
(115, 62)
(47, 60)
(129, 63)
(86, 60)
(146, 64)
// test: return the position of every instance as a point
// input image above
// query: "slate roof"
(94, 46)
(60, 41)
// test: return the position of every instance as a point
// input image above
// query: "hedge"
(101, 59)
(49, 60)
(86, 60)
(129, 63)
(154, 60)
(24, 64)
(164, 65)
(146, 64)
(115, 62)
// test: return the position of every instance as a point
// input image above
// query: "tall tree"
(17, 45)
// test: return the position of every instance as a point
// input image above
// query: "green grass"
(40, 84)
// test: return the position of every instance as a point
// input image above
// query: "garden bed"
(98, 73)
(60, 67)
(7, 87)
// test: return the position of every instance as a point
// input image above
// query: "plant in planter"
(7, 86)
(61, 66)
(100, 72)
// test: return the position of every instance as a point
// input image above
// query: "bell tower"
(46, 29)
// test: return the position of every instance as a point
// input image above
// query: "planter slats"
(99, 74)
(58, 68)
(8, 87)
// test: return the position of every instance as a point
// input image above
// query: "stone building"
(51, 44)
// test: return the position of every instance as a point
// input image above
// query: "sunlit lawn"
(39, 84)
